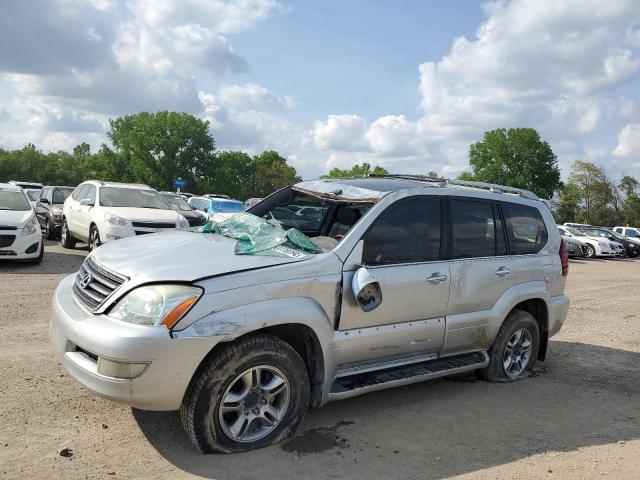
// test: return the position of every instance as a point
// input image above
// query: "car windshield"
(33, 194)
(13, 200)
(226, 206)
(575, 231)
(256, 235)
(178, 203)
(61, 194)
(132, 198)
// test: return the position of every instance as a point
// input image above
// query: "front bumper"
(558, 310)
(172, 361)
(21, 245)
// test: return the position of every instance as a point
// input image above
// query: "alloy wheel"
(94, 240)
(254, 404)
(517, 353)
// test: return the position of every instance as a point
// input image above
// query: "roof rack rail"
(463, 183)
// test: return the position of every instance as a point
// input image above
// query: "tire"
(94, 238)
(591, 251)
(38, 259)
(66, 240)
(49, 232)
(222, 377)
(497, 370)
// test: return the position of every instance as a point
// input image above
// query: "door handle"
(503, 271)
(437, 278)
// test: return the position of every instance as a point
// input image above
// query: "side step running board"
(360, 383)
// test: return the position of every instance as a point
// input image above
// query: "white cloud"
(341, 132)
(629, 141)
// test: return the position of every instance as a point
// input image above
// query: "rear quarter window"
(525, 228)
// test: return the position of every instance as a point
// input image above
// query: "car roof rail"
(443, 182)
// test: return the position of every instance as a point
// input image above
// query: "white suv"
(632, 234)
(98, 212)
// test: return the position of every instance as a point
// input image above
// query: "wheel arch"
(540, 311)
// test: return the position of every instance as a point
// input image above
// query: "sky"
(405, 85)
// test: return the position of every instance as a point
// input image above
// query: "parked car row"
(590, 241)
(96, 212)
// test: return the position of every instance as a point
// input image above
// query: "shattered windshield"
(257, 235)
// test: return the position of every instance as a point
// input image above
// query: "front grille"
(94, 284)
(153, 224)
(6, 240)
(8, 227)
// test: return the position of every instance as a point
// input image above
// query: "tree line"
(156, 148)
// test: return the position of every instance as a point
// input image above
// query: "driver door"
(401, 251)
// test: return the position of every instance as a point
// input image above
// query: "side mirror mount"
(205, 209)
(87, 202)
(44, 200)
(366, 290)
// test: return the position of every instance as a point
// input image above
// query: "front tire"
(515, 349)
(49, 231)
(250, 394)
(591, 251)
(66, 240)
(94, 238)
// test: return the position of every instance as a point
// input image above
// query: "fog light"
(110, 368)
(32, 248)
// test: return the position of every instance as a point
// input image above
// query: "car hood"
(635, 241)
(179, 256)
(143, 214)
(14, 218)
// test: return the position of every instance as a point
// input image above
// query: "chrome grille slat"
(94, 284)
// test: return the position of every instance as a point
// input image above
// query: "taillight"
(564, 258)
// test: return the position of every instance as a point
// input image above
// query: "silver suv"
(322, 291)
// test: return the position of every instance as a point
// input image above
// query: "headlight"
(30, 226)
(182, 222)
(156, 304)
(110, 219)
(602, 244)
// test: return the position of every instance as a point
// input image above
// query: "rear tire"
(259, 409)
(66, 240)
(515, 349)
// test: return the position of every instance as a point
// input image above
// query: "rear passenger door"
(481, 272)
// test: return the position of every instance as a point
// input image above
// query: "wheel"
(591, 251)
(94, 238)
(49, 232)
(38, 259)
(66, 240)
(251, 394)
(515, 349)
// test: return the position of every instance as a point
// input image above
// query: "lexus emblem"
(86, 280)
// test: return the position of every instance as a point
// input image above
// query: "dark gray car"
(49, 209)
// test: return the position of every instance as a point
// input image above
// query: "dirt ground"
(578, 416)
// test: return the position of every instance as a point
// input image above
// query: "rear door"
(401, 250)
(481, 272)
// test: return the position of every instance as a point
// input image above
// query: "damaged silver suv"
(322, 291)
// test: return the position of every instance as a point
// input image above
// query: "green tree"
(356, 171)
(569, 204)
(230, 173)
(468, 176)
(270, 173)
(518, 158)
(595, 190)
(159, 147)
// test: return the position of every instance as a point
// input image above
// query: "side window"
(618, 230)
(408, 231)
(90, 193)
(77, 193)
(474, 229)
(525, 227)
